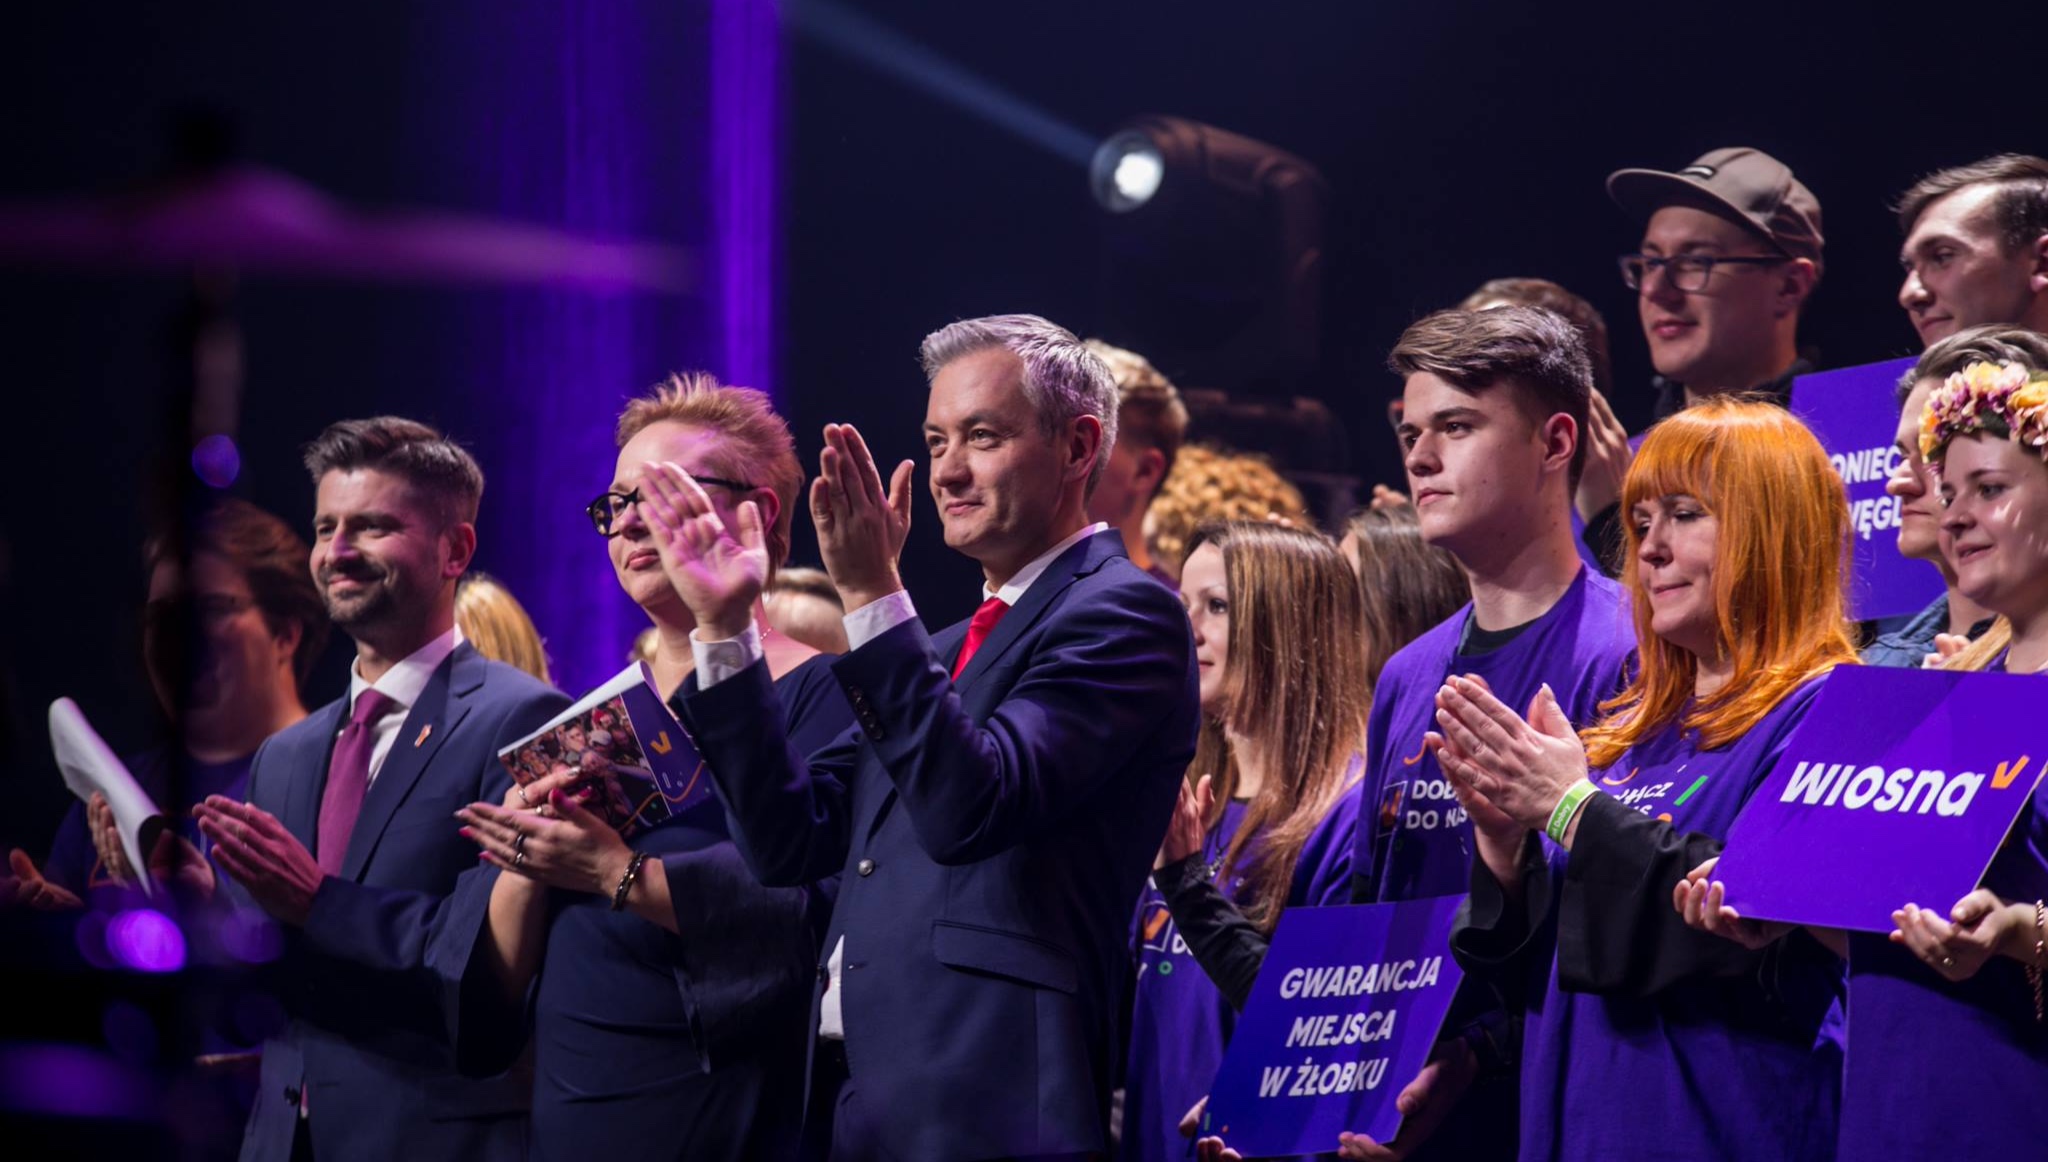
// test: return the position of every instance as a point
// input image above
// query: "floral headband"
(2000, 399)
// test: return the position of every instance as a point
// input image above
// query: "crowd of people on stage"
(1002, 889)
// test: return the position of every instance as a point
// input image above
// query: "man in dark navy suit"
(349, 838)
(999, 804)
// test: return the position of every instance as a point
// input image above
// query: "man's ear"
(1151, 470)
(1084, 447)
(1796, 281)
(1561, 436)
(2037, 265)
(286, 641)
(459, 540)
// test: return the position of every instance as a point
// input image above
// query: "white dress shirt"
(403, 683)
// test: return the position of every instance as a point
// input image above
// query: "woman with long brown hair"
(1643, 1037)
(1276, 616)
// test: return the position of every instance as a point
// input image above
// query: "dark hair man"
(348, 837)
(1976, 249)
(1151, 423)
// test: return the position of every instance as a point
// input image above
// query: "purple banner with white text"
(1898, 787)
(1853, 412)
(1342, 1018)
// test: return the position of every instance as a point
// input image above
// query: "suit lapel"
(300, 813)
(433, 718)
(1084, 556)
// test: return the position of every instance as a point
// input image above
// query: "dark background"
(1461, 142)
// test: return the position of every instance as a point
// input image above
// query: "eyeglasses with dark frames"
(1687, 272)
(604, 512)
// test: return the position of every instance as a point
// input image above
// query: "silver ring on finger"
(1948, 962)
(518, 858)
(519, 844)
(522, 795)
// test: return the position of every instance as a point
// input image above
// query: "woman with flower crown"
(1640, 1034)
(1948, 1049)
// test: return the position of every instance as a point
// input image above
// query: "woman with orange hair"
(1643, 1037)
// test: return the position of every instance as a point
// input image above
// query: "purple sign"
(1341, 1020)
(1898, 787)
(1855, 416)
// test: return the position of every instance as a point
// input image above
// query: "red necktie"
(978, 627)
(348, 776)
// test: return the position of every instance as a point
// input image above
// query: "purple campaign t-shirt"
(1413, 840)
(1941, 1070)
(1707, 1068)
(1180, 1022)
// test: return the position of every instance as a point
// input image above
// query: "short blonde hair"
(1149, 411)
(495, 623)
(754, 443)
(1208, 484)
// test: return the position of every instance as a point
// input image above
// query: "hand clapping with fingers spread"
(1186, 830)
(251, 845)
(1520, 766)
(860, 528)
(717, 570)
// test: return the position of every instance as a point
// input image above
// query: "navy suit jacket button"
(865, 867)
(291, 1094)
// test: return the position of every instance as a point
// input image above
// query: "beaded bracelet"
(1568, 806)
(626, 881)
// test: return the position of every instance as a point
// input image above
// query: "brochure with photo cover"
(638, 766)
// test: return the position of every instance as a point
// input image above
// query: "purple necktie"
(348, 775)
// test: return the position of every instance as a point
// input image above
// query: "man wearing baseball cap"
(1731, 249)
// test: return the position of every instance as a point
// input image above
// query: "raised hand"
(1185, 831)
(1607, 460)
(861, 529)
(718, 571)
(106, 840)
(1521, 766)
(263, 856)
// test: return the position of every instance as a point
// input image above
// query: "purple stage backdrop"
(1897, 788)
(1852, 412)
(639, 119)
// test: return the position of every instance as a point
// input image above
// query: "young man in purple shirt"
(1494, 403)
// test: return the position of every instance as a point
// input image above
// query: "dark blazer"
(366, 1040)
(994, 834)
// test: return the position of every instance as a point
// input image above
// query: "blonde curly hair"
(1211, 484)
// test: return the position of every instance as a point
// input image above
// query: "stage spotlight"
(1126, 172)
(1212, 254)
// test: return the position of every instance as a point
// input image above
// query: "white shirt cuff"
(876, 618)
(719, 660)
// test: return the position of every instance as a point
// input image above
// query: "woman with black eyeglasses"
(679, 1030)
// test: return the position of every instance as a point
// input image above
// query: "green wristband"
(1568, 806)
